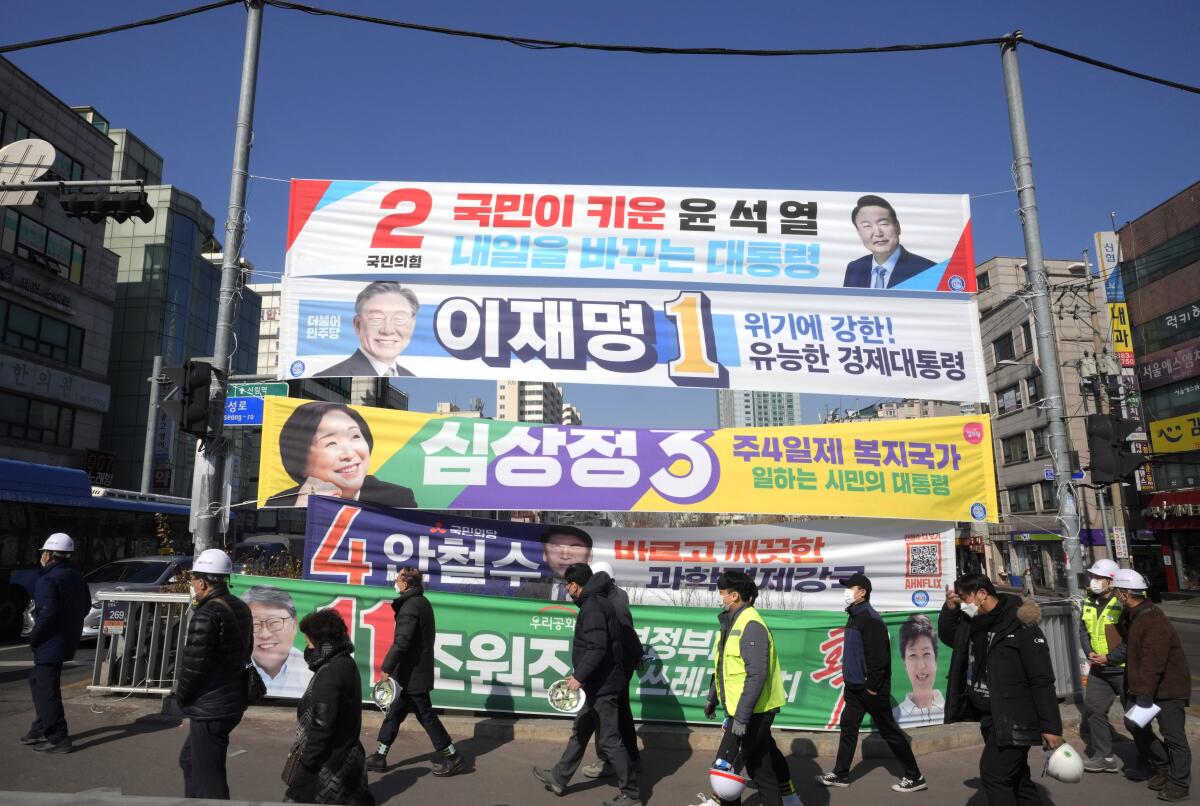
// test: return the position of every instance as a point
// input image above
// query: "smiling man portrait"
(889, 263)
(385, 313)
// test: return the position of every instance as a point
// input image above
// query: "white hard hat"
(1065, 765)
(726, 784)
(1104, 568)
(601, 565)
(1130, 580)
(213, 561)
(59, 541)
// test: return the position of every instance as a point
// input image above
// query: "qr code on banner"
(925, 560)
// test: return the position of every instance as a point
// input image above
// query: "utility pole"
(1043, 316)
(208, 494)
(151, 425)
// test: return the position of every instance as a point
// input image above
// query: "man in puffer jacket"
(1001, 677)
(332, 766)
(212, 679)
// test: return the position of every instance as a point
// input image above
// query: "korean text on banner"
(772, 294)
(501, 654)
(937, 468)
(1176, 434)
(797, 566)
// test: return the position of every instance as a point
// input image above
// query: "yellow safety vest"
(1096, 619)
(732, 667)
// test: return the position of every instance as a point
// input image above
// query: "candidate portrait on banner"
(562, 547)
(385, 314)
(889, 263)
(326, 449)
(923, 704)
(276, 658)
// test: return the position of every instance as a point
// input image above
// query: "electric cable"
(175, 15)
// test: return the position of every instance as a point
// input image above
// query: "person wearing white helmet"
(1156, 674)
(211, 684)
(1098, 636)
(61, 601)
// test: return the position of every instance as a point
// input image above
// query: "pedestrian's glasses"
(270, 624)
(396, 320)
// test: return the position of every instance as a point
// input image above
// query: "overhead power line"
(175, 15)
(535, 43)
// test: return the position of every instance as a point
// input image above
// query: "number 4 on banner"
(355, 568)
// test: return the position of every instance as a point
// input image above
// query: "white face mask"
(1097, 586)
(970, 609)
(848, 597)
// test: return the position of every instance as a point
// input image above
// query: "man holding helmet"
(61, 601)
(1101, 644)
(212, 681)
(1156, 674)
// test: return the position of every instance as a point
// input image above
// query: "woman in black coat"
(332, 766)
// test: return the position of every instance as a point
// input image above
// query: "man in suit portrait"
(562, 547)
(889, 263)
(385, 313)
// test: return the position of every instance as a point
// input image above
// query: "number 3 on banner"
(697, 363)
(355, 569)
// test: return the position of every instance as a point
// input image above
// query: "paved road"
(16, 659)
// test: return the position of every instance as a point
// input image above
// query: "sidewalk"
(1185, 611)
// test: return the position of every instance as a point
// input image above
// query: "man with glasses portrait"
(276, 658)
(385, 313)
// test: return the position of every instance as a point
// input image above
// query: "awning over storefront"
(66, 486)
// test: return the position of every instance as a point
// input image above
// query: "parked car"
(149, 573)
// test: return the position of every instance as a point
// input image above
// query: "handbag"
(256, 689)
(292, 764)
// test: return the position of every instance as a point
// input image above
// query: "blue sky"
(345, 100)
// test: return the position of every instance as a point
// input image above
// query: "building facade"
(56, 294)
(741, 409)
(571, 414)
(529, 402)
(1025, 548)
(1160, 272)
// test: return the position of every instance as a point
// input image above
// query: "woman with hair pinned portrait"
(326, 449)
(924, 704)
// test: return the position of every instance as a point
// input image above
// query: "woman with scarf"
(331, 762)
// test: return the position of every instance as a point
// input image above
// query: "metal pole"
(1043, 317)
(1108, 545)
(206, 503)
(151, 425)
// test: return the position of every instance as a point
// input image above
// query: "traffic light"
(98, 206)
(190, 407)
(1111, 458)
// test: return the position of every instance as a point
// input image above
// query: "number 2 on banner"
(697, 363)
(385, 232)
(355, 569)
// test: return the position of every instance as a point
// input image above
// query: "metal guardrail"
(1062, 638)
(138, 645)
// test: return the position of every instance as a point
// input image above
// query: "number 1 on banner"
(381, 621)
(697, 363)
(355, 569)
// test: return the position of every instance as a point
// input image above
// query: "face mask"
(1096, 586)
(970, 609)
(310, 654)
(848, 597)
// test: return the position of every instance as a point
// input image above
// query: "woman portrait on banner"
(924, 704)
(326, 449)
(327, 764)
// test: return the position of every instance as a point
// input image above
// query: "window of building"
(65, 167)
(26, 238)
(1015, 449)
(1041, 444)
(1179, 252)
(1035, 393)
(26, 329)
(1049, 496)
(1008, 399)
(982, 281)
(1003, 348)
(1027, 337)
(3, 118)
(1020, 499)
(36, 421)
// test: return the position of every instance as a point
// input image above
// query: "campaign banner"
(747, 289)
(655, 335)
(796, 565)
(501, 654)
(936, 468)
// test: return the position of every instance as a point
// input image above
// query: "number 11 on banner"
(697, 364)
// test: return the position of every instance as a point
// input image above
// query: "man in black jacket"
(867, 677)
(212, 679)
(409, 663)
(596, 656)
(61, 601)
(1000, 656)
(631, 660)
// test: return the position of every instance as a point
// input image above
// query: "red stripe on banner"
(305, 196)
(836, 717)
(962, 263)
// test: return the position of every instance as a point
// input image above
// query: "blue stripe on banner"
(927, 280)
(540, 282)
(340, 190)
